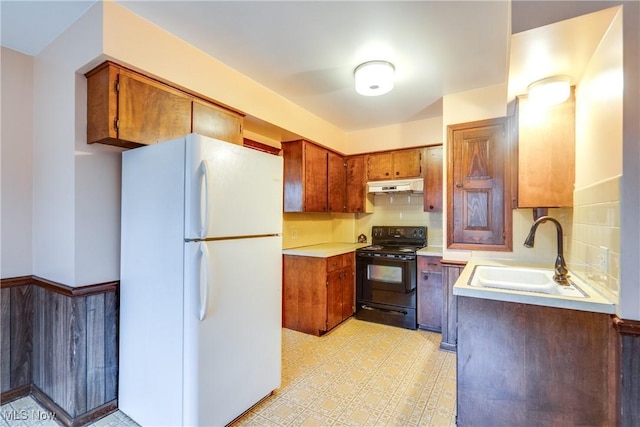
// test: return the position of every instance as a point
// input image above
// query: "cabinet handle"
(397, 173)
(425, 276)
(430, 207)
(459, 185)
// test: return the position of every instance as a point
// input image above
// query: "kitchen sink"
(522, 279)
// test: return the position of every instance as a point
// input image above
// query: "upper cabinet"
(478, 185)
(433, 179)
(314, 178)
(546, 154)
(321, 180)
(305, 177)
(128, 109)
(394, 164)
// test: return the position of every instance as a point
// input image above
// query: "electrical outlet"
(293, 233)
(603, 259)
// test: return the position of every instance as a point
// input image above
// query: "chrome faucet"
(561, 275)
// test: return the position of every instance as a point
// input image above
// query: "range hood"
(411, 185)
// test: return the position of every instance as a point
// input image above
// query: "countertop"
(430, 251)
(595, 302)
(324, 250)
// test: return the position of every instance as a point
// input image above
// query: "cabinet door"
(337, 182)
(479, 186)
(356, 193)
(315, 178)
(215, 122)
(348, 292)
(430, 293)
(546, 154)
(334, 298)
(149, 112)
(433, 179)
(406, 163)
(379, 166)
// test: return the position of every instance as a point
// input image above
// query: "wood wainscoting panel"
(62, 342)
(629, 332)
(16, 336)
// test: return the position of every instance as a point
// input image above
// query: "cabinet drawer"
(334, 263)
(340, 261)
(429, 264)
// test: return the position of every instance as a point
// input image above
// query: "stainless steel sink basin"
(522, 279)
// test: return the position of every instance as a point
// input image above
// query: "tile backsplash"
(402, 209)
(595, 250)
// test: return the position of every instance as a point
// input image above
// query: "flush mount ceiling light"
(374, 78)
(550, 91)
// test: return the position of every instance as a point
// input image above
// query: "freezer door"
(232, 323)
(231, 190)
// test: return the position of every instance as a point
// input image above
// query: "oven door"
(385, 290)
(388, 280)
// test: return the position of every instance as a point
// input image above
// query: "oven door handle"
(398, 312)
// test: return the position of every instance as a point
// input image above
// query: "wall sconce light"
(550, 91)
(374, 78)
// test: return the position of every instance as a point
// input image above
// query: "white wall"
(133, 41)
(17, 165)
(630, 198)
(61, 252)
(599, 111)
(402, 135)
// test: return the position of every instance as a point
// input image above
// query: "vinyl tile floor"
(358, 374)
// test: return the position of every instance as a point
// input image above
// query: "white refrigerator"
(200, 286)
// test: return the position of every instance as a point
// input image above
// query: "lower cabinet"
(528, 365)
(430, 293)
(318, 293)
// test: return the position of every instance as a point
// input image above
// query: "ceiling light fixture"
(374, 78)
(550, 91)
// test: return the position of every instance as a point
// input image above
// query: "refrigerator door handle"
(204, 216)
(204, 280)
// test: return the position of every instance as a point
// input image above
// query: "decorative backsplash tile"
(595, 251)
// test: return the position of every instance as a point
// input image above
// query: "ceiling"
(306, 51)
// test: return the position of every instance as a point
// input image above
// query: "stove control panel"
(399, 234)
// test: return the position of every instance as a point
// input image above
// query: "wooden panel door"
(478, 216)
(406, 163)
(215, 122)
(433, 179)
(337, 182)
(379, 166)
(149, 112)
(315, 178)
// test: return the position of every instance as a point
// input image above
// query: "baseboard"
(627, 327)
(63, 417)
(448, 347)
(15, 394)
